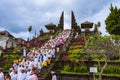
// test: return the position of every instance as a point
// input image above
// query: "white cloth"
(24, 52)
(11, 75)
(14, 77)
(35, 61)
(1, 76)
(54, 77)
(45, 58)
(39, 65)
(22, 76)
(31, 64)
(28, 75)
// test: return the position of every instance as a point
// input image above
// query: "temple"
(83, 28)
(52, 28)
(86, 26)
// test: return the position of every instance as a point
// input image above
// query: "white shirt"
(11, 75)
(28, 75)
(1, 76)
(21, 76)
(14, 77)
(45, 58)
(35, 62)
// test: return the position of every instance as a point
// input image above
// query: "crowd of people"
(36, 60)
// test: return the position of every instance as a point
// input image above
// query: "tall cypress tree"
(113, 21)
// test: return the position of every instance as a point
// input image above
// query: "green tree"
(29, 30)
(96, 27)
(116, 41)
(98, 47)
(113, 21)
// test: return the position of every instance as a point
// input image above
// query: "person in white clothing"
(45, 58)
(35, 61)
(11, 73)
(1, 74)
(28, 74)
(39, 66)
(15, 76)
(22, 75)
(24, 52)
(54, 77)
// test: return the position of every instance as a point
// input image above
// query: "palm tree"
(29, 30)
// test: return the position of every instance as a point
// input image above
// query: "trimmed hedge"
(111, 69)
(6, 67)
(11, 56)
(77, 69)
(75, 51)
(76, 47)
(81, 69)
(75, 57)
(67, 68)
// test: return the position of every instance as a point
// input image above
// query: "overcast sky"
(17, 15)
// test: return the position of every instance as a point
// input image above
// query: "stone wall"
(83, 77)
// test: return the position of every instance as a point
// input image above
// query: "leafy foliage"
(74, 57)
(67, 68)
(6, 67)
(77, 69)
(110, 69)
(30, 28)
(76, 47)
(101, 45)
(5, 56)
(81, 69)
(113, 21)
(15, 50)
(11, 56)
(96, 27)
(75, 51)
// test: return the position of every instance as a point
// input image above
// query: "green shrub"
(12, 56)
(74, 57)
(110, 69)
(81, 69)
(6, 67)
(15, 50)
(98, 68)
(75, 51)
(21, 57)
(11, 61)
(75, 47)
(6, 56)
(67, 68)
